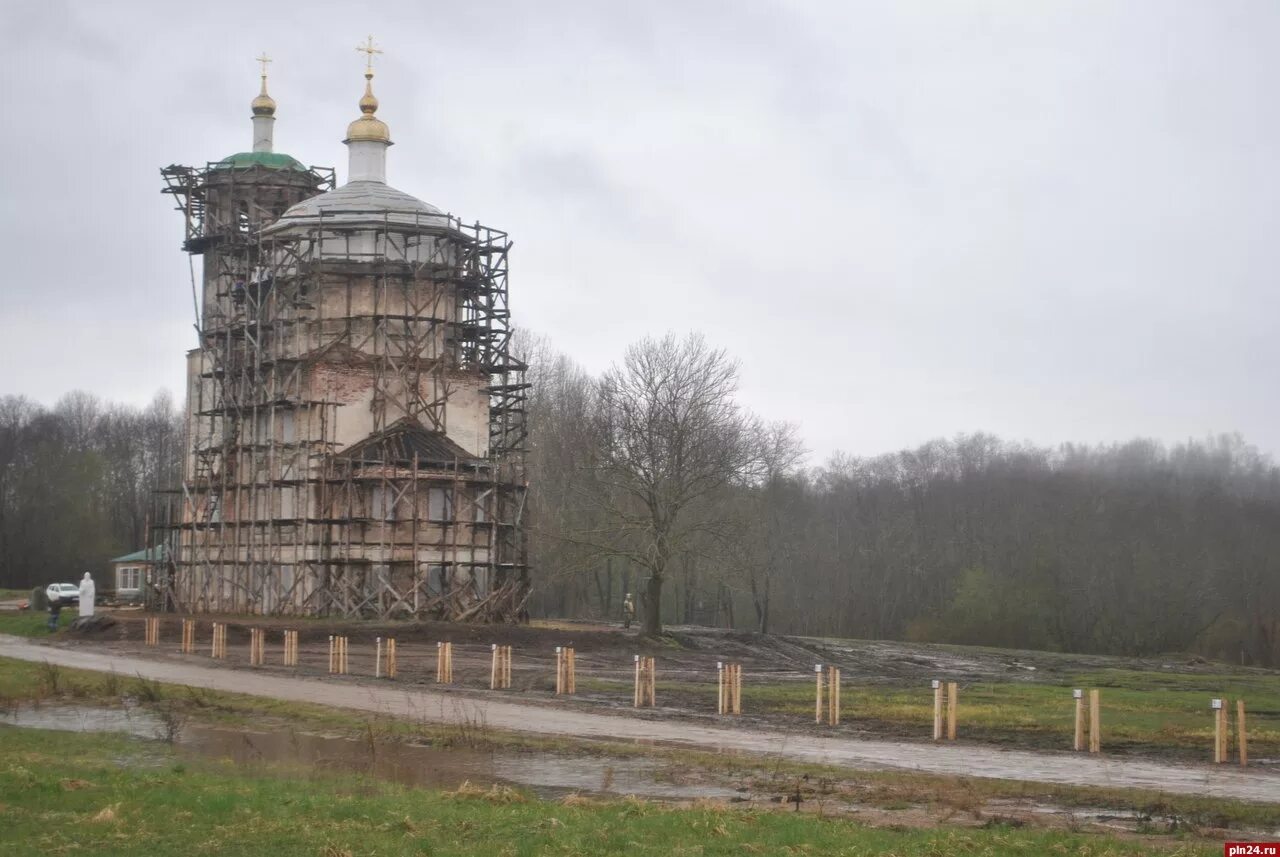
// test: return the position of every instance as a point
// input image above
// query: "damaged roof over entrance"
(407, 439)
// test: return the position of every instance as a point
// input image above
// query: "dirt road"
(444, 707)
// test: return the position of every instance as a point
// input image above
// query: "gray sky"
(1051, 221)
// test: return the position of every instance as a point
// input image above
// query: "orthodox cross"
(369, 48)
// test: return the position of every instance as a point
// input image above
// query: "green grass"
(91, 794)
(1142, 712)
(22, 681)
(28, 623)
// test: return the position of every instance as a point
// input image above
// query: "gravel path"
(444, 707)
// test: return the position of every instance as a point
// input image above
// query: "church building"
(354, 413)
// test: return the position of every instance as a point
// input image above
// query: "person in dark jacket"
(55, 611)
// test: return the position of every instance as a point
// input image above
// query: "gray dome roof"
(359, 202)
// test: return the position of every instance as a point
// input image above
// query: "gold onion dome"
(368, 127)
(263, 105)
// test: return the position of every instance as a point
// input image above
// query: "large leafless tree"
(670, 437)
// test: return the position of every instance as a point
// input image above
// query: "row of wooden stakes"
(946, 695)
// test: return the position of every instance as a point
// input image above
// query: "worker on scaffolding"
(628, 611)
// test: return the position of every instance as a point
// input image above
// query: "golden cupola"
(368, 128)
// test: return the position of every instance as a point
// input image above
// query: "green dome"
(271, 160)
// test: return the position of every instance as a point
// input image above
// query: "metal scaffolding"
(396, 322)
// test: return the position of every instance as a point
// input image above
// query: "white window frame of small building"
(124, 574)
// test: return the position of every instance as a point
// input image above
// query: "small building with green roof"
(131, 571)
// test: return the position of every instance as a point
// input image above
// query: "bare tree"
(771, 533)
(670, 436)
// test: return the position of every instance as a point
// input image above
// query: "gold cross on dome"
(264, 59)
(369, 48)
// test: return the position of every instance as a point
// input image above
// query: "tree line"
(651, 479)
(76, 481)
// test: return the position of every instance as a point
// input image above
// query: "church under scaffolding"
(354, 414)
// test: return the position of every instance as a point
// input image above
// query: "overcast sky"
(1051, 221)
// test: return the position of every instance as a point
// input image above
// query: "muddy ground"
(685, 651)
(579, 778)
(686, 663)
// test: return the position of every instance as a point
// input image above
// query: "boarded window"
(382, 504)
(261, 502)
(480, 576)
(437, 580)
(439, 504)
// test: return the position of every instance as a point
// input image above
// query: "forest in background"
(1128, 548)
(652, 469)
(76, 482)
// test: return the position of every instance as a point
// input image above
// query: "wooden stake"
(1242, 739)
(817, 704)
(257, 647)
(833, 696)
(1095, 722)
(1217, 731)
(291, 648)
(392, 664)
(1077, 742)
(566, 683)
(937, 710)
(953, 699)
(1220, 726)
(646, 683)
(188, 637)
(219, 648)
(338, 655)
(729, 684)
(500, 668)
(377, 657)
(444, 663)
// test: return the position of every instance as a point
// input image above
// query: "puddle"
(545, 774)
(74, 718)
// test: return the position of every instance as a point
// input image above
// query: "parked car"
(65, 591)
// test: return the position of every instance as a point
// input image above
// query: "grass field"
(1142, 712)
(23, 682)
(91, 794)
(26, 623)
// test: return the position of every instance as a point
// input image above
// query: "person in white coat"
(86, 595)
